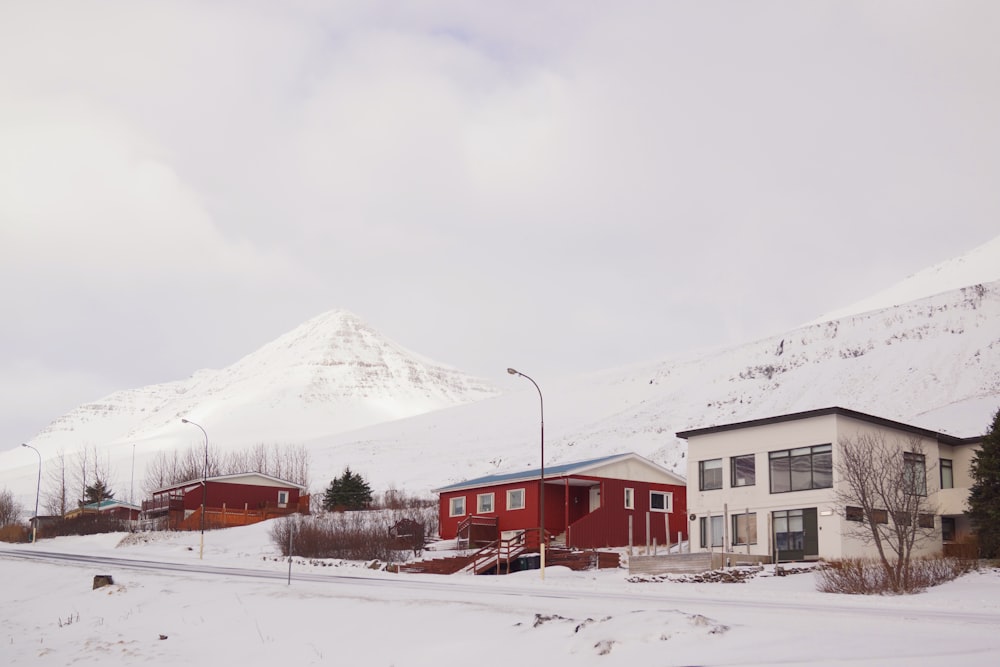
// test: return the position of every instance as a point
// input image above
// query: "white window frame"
(668, 501)
(480, 497)
(510, 494)
(282, 498)
(456, 506)
(629, 498)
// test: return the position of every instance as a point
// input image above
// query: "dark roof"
(843, 412)
(535, 473)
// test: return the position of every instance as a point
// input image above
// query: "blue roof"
(534, 473)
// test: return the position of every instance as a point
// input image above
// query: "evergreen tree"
(984, 497)
(97, 492)
(350, 491)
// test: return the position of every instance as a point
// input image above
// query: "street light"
(541, 478)
(204, 489)
(38, 488)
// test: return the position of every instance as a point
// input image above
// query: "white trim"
(480, 497)
(451, 506)
(510, 505)
(629, 498)
(668, 501)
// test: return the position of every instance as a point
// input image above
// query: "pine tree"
(350, 491)
(984, 497)
(97, 492)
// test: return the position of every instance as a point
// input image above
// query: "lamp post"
(204, 489)
(38, 488)
(541, 478)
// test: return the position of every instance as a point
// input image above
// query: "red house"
(588, 504)
(229, 500)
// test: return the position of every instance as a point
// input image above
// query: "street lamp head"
(184, 421)
(24, 444)
(513, 372)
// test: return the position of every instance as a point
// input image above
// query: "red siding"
(235, 496)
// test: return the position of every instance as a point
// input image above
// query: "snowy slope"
(355, 398)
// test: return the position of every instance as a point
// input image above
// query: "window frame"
(452, 502)
(668, 501)
(283, 497)
(510, 505)
(750, 521)
(479, 503)
(947, 464)
(733, 479)
(629, 498)
(914, 462)
(702, 486)
(794, 455)
(718, 539)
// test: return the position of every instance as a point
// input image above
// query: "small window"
(711, 532)
(515, 499)
(630, 499)
(854, 514)
(484, 503)
(456, 506)
(282, 498)
(947, 474)
(710, 474)
(925, 521)
(743, 471)
(745, 528)
(660, 501)
(915, 473)
(948, 528)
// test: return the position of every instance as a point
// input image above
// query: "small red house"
(229, 500)
(116, 508)
(588, 504)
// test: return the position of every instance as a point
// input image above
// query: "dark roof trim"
(842, 412)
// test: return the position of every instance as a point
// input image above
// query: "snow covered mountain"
(333, 373)
(355, 398)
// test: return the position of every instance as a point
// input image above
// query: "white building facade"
(769, 486)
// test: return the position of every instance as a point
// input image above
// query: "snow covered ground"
(347, 614)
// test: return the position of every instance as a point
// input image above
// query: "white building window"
(629, 499)
(456, 506)
(515, 499)
(484, 503)
(282, 498)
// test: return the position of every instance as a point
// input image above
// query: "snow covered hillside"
(353, 397)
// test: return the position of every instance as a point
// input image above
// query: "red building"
(588, 504)
(229, 500)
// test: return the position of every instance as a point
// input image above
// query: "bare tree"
(57, 494)
(10, 509)
(883, 492)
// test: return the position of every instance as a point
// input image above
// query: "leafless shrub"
(13, 532)
(395, 499)
(347, 535)
(10, 509)
(859, 576)
(87, 524)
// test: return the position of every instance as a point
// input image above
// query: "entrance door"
(796, 534)
(595, 497)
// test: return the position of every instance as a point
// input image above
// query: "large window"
(801, 469)
(456, 506)
(915, 473)
(743, 471)
(484, 503)
(710, 474)
(711, 531)
(947, 474)
(745, 528)
(948, 528)
(789, 530)
(660, 501)
(515, 499)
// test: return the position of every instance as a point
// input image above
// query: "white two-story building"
(768, 486)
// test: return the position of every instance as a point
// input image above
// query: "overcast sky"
(556, 186)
